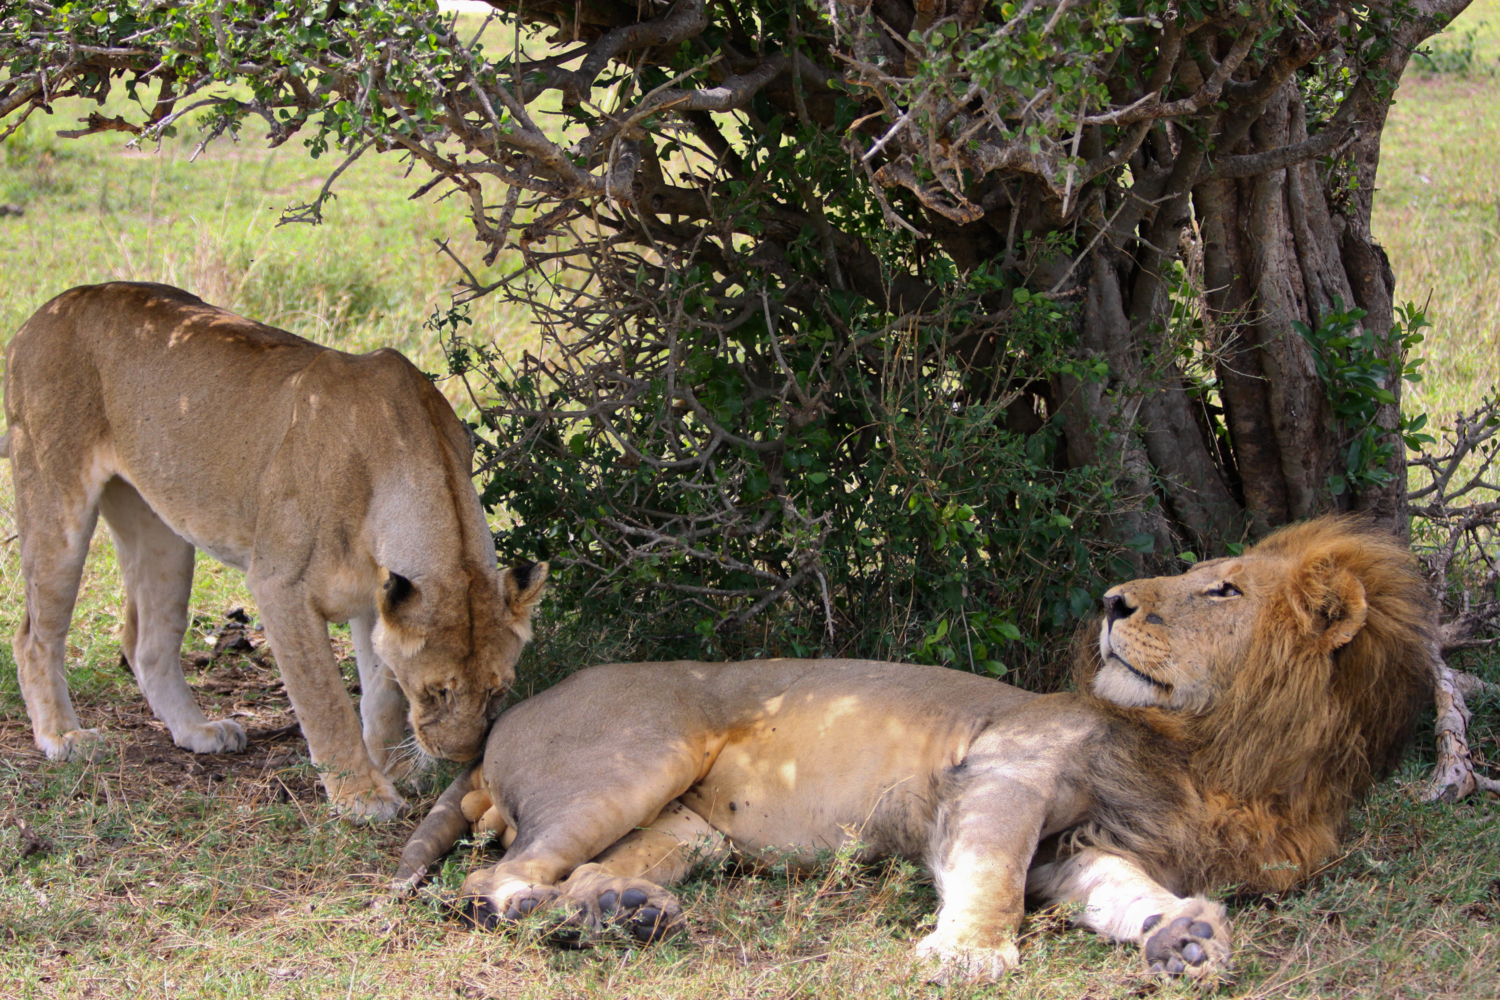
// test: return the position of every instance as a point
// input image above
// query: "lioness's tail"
(436, 835)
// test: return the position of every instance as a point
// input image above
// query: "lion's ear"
(522, 587)
(1331, 603)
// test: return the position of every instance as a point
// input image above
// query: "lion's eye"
(1225, 589)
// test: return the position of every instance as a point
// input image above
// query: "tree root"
(1454, 777)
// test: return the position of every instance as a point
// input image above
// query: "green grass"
(155, 873)
(1437, 213)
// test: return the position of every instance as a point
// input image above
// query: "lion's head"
(1284, 681)
(453, 649)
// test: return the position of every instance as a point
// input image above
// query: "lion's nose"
(1117, 606)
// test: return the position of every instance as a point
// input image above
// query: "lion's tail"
(5, 445)
(436, 835)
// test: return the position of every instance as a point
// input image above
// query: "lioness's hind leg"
(157, 565)
(55, 525)
(624, 884)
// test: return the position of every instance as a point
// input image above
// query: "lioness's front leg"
(382, 708)
(1178, 936)
(299, 638)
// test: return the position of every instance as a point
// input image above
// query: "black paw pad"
(650, 924)
(518, 908)
(480, 914)
(1150, 923)
(1201, 930)
(609, 901)
(1194, 953)
(632, 898)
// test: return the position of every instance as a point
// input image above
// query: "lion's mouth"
(1112, 655)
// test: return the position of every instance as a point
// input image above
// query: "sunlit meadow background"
(156, 874)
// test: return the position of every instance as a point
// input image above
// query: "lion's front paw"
(1192, 939)
(490, 898)
(373, 799)
(212, 737)
(75, 744)
(643, 909)
(950, 959)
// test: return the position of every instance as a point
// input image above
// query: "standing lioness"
(339, 483)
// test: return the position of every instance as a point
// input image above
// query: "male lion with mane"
(338, 483)
(1224, 723)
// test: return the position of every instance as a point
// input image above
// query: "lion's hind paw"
(642, 909)
(487, 912)
(1192, 940)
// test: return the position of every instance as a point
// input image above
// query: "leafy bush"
(1359, 371)
(788, 482)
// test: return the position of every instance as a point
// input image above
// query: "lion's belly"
(801, 786)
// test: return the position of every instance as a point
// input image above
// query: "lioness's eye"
(1225, 589)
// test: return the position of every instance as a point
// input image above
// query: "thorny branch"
(1455, 538)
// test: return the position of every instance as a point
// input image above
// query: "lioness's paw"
(1191, 940)
(950, 960)
(642, 909)
(75, 744)
(410, 770)
(212, 737)
(373, 800)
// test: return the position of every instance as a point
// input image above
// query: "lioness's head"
(453, 646)
(1313, 638)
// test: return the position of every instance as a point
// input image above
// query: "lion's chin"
(1117, 682)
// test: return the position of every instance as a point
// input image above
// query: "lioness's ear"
(397, 595)
(522, 587)
(1331, 602)
(396, 591)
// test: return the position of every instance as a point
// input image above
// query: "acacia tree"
(858, 301)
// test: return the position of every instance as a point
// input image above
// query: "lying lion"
(1224, 724)
(338, 483)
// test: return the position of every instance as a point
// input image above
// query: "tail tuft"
(5, 445)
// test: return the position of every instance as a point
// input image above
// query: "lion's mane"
(1255, 792)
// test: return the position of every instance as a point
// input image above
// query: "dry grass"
(157, 873)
